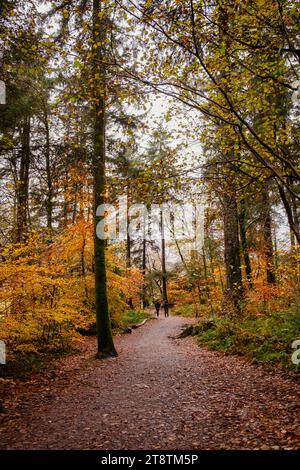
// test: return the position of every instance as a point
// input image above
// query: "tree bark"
(49, 196)
(23, 185)
(292, 223)
(144, 267)
(234, 289)
(207, 288)
(128, 249)
(104, 334)
(163, 260)
(268, 238)
(244, 242)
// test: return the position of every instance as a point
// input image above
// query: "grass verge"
(134, 317)
(263, 339)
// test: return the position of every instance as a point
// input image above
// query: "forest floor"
(159, 393)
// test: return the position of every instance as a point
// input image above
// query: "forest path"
(160, 393)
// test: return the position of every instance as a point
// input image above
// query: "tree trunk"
(295, 213)
(144, 267)
(234, 288)
(104, 334)
(267, 238)
(207, 288)
(49, 196)
(163, 260)
(128, 250)
(232, 249)
(294, 224)
(65, 204)
(23, 184)
(128, 260)
(244, 242)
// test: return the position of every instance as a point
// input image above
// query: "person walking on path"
(166, 307)
(157, 307)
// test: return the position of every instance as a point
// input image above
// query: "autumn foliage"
(47, 290)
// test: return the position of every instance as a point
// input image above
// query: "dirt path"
(160, 393)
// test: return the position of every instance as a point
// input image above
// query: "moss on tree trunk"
(104, 334)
